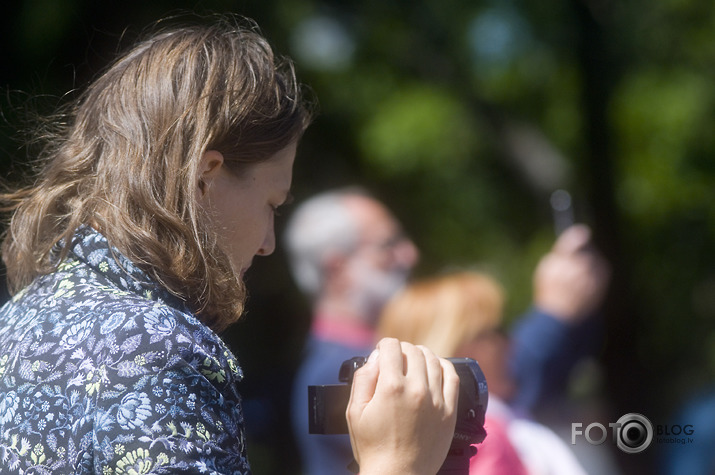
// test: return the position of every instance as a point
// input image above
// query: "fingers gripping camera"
(327, 405)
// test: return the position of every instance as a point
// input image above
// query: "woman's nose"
(269, 243)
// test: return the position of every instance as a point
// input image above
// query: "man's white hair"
(320, 225)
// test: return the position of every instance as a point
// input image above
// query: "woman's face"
(491, 350)
(241, 207)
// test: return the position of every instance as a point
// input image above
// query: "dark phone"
(562, 210)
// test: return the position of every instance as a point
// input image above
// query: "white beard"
(373, 288)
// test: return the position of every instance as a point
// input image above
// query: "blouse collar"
(92, 248)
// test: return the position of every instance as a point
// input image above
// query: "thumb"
(363, 385)
(573, 239)
(361, 393)
(365, 382)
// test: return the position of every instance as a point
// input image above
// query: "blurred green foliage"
(464, 117)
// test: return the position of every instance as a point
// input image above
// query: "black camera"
(327, 405)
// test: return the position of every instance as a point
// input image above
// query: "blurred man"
(349, 255)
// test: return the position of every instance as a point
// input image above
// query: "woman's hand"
(402, 410)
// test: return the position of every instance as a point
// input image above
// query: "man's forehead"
(371, 215)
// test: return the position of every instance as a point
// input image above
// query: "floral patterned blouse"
(103, 371)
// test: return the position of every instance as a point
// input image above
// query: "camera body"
(327, 405)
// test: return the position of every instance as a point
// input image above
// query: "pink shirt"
(496, 454)
(351, 334)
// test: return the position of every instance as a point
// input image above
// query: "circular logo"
(634, 433)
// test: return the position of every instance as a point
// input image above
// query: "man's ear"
(209, 166)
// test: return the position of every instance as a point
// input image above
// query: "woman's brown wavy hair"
(123, 158)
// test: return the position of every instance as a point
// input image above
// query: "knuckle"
(393, 388)
(418, 394)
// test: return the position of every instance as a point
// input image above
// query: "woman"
(460, 315)
(126, 254)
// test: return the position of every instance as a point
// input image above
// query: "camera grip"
(327, 406)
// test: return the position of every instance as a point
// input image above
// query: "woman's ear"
(209, 166)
